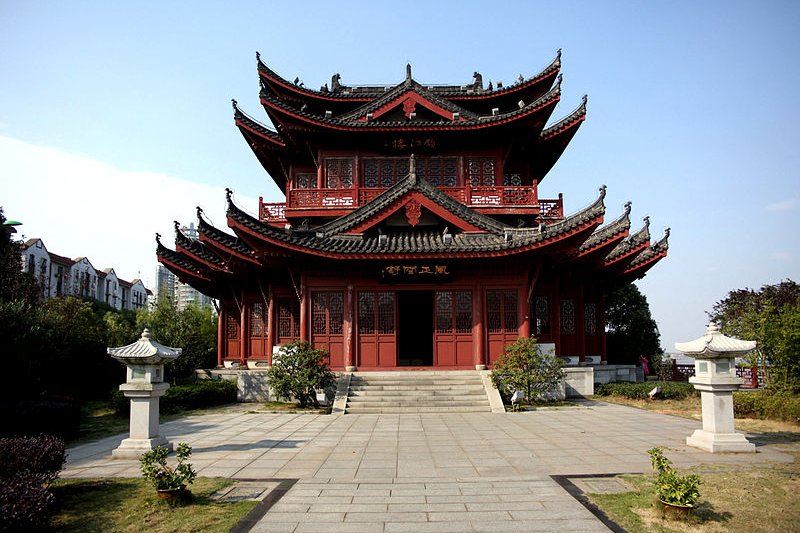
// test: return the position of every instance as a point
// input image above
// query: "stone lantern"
(715, 377)
(144, 386)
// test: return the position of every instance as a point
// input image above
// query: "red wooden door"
(232, 331)
(502, 320)
(377, 341)
(258, 321)
(327, 314)
(453, 328)
(288, 320)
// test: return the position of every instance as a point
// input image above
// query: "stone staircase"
(417, 392)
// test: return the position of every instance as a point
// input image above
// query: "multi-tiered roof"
(414, 216)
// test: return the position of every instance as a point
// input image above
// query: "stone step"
(423, 401)
(417, 399)
(419, 410)
(419, 393)
(422, 388)
(425, 381)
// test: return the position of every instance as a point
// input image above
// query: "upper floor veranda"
(344, 182)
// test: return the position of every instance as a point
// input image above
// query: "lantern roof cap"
(144, 351)
(714, 344)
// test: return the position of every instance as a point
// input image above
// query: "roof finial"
(177, 226)
(258, 56)
(584, 99)
(558, 53)
(603, 191)
(228, 194)
(234, 103)
(158, 238)
(199, 212)
(666, 233)
(647, 221)
(628, 207)
(408, 71)
(412, 168)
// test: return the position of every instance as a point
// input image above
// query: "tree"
(14, 283)
(523, 367)
(194, 330)
(771, 317)
(299, 371)
(631, 330)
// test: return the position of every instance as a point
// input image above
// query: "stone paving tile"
(424, 472)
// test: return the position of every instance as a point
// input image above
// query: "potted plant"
(677, 493)
(169, 482)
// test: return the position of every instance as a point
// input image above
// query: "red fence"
(751, 377)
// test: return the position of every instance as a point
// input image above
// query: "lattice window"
(510, 310)
(567, 317)
(590, 318)
(512, 180)
(288, 319)
(232, 328)
(444, 312)
(338, 173)
(385, 312)
(440, 171)
(384, 172)
(541, 313)
(327, 311)
(480, 172)
(463, 311)
(366, 313)
(259, 319)
(494, 316)
(305, 180)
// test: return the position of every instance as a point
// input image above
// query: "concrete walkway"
(423, 472)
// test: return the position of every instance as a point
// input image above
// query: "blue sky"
(115, 118)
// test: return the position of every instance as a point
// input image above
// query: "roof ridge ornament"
(177, 227)
(235, 104)
(258, 56)
(603, 189)
(158, 238)
(412, 168)
(408, 75)
(229, 195)
(647, 221)
(628, 205)
(199, 212)
(558, 54)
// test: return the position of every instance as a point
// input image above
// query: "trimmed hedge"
(60, 417)
(670, 390)
(29, 465)
(767, 404)
(197, 395)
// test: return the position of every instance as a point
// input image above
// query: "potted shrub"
(677, 493)
(169, 482)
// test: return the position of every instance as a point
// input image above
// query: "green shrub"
(298, 371)
(196, 395)
(672, 487)
(670, 390)
(523, 367)
(767, 404)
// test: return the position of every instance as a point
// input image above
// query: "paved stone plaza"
(423, 472)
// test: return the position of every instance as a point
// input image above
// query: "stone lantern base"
(144, 427)
(135, 448)
(720, 442)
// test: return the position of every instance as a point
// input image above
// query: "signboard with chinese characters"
(417, 273)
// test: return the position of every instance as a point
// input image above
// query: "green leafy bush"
(670, 390)
(196, 395)
(523, 367)
(780, 404)
(298, 371)
(672, 487)
(29, 465)
(164, 477)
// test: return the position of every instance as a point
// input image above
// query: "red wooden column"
(557, 315)
(270, 324)
(349, 330)
(580, 324)
(244, 330)
(222, 319)
(601, 326)
(304, 336)
(478, 331)
(523, 307)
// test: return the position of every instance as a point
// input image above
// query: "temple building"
(412, 233)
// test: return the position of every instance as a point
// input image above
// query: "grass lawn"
(732, 498)
(740, 498)
(123, 504)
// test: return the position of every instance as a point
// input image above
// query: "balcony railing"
(489, 198)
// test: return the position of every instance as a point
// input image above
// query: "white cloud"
(83, 207)
(785, 205)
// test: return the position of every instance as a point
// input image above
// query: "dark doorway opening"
(415, 328)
